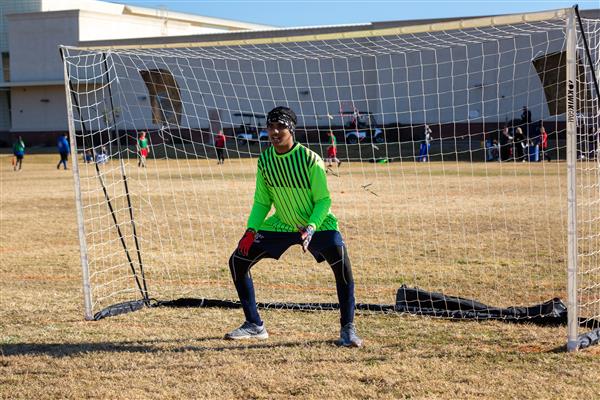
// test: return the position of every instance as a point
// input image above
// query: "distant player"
(425, 144)
(64, 149)
(88, 157)
(292, 178)
(332, 151)
(101, 156)
(19, 153)
(518, 144)
(143, 149)
(220, 140)
(544, 144)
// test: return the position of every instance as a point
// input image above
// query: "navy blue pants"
(324, 246)
(64, 158)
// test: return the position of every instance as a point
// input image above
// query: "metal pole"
(87, 292)
(571, 83)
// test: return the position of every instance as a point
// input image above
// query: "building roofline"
(15, 84)
(295, 34)
(213, 21)
(143, 12)
(42, 14)
(227, 36)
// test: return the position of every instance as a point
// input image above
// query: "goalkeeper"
(292, 178)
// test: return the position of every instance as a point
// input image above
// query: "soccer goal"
(469, 183)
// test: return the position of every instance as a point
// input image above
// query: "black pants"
(64, 157)
(518, 151)
(18, 161)
(220, 154)
(504, 151)
(336, 256)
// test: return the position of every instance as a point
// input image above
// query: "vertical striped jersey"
(295, 183)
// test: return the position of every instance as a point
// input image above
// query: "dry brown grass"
(48, 351)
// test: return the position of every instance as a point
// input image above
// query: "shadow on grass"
(145, 346)
(558, 349)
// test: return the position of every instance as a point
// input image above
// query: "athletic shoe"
(348, 336)
(248, 330)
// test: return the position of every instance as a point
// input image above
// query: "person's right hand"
(246, 241)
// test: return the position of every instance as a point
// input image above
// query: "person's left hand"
(306, 234)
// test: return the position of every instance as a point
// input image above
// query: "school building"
(32, 94)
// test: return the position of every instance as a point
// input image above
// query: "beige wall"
(30, 113)
(34, 54)
(96, 26)
(12, 7)
(34, 40)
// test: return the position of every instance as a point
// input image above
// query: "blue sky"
(287, 13)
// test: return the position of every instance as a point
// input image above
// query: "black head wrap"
(283, 115)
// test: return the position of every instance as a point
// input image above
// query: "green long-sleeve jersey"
(296, 184)
(19, 147)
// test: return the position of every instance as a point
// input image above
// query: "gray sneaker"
(248, 330)
(348, 336)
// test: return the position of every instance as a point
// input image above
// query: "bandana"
(283, 115)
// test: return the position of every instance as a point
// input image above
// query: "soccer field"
(490, 232)
(440, 225)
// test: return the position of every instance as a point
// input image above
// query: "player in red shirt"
(544, 143)
(220, 140)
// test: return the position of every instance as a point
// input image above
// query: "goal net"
(454, 175)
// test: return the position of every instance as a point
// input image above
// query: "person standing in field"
(143, 149)
(220, 140)
(490, 147)
(332, 151)
(504, 139)
(291, 178)
(64, 149)
(518, 145)
(101, 156)
(526, 122)
(425, 144)
(544, 144)
(19, 153)
(88, 157)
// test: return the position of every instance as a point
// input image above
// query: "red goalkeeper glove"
(246, 241)
(306, 234)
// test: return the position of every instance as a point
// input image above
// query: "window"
(552, 71)
(5, 67)
(165, 98)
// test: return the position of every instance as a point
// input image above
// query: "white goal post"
(469, 183)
